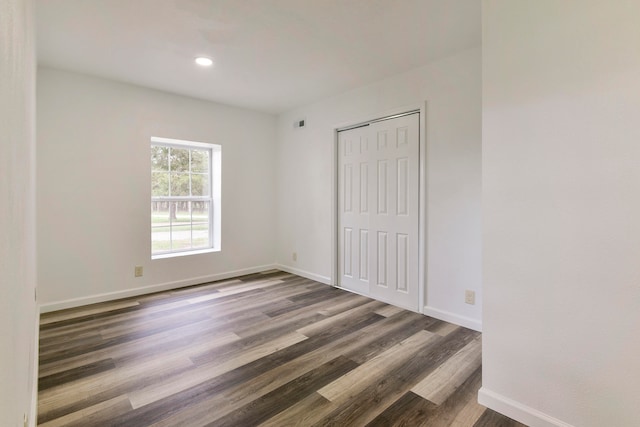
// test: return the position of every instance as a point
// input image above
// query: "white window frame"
(214, 198)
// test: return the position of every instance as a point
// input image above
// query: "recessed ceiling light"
(204, 61)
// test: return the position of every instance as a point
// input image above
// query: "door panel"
(379, 204)
(353, 210)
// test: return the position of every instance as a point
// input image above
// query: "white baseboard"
(110, 296)
(308, 275)
(454, 318)
(517, 411)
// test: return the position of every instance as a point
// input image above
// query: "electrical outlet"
(294, 256)
(138, 271)
(470, 297)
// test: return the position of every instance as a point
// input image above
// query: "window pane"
(160, 214)
(180, 184)
(159, 158)
(178, 226)
(159, 184)
(179, 160)
(200, 215)
(199, 184)
(160, 238)
(182, 214)
(199, 161)
(181, 237)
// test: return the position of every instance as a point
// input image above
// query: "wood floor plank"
(307, 301)
(169, 320)
(382, 391)
(279, 399)
(340, 319)
(75, 374)
(56, 355)
(233, 291)
(96, 415)
(371, 401)
(234, 287)
(460, 409)
(389, 310)
(409, 410)
(494, 419)
(352, 301)
(73, 396)
(217, 312)
(131, 314)
(231, 350)
(109, 338)
(134, 349)
(351, 384)
(429, 358)
(72, 340)
(442, 382)
(158, 391)
(172, 304)
(271, 349)
(84, 312)
(293, 317)
(191, 290)
(411, 324)
(443, 328)
(306, 412)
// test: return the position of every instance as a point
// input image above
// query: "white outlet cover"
(470, 297)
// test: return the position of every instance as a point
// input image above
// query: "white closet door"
(354, 261)
(394, 220)
(378, 210)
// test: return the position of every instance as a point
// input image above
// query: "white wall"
(561, 198)
(18, 315)
(452, 89)
(94, 187)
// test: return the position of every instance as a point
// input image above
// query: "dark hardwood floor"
(269, 349)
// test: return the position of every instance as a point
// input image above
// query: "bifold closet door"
(378, 210)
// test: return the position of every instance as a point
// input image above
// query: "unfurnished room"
(319, 213)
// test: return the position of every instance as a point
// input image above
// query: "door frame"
(422, 194)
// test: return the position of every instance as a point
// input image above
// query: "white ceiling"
(270, 55)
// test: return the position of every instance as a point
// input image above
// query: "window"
(185, 197)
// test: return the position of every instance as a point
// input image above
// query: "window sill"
(179, 254)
